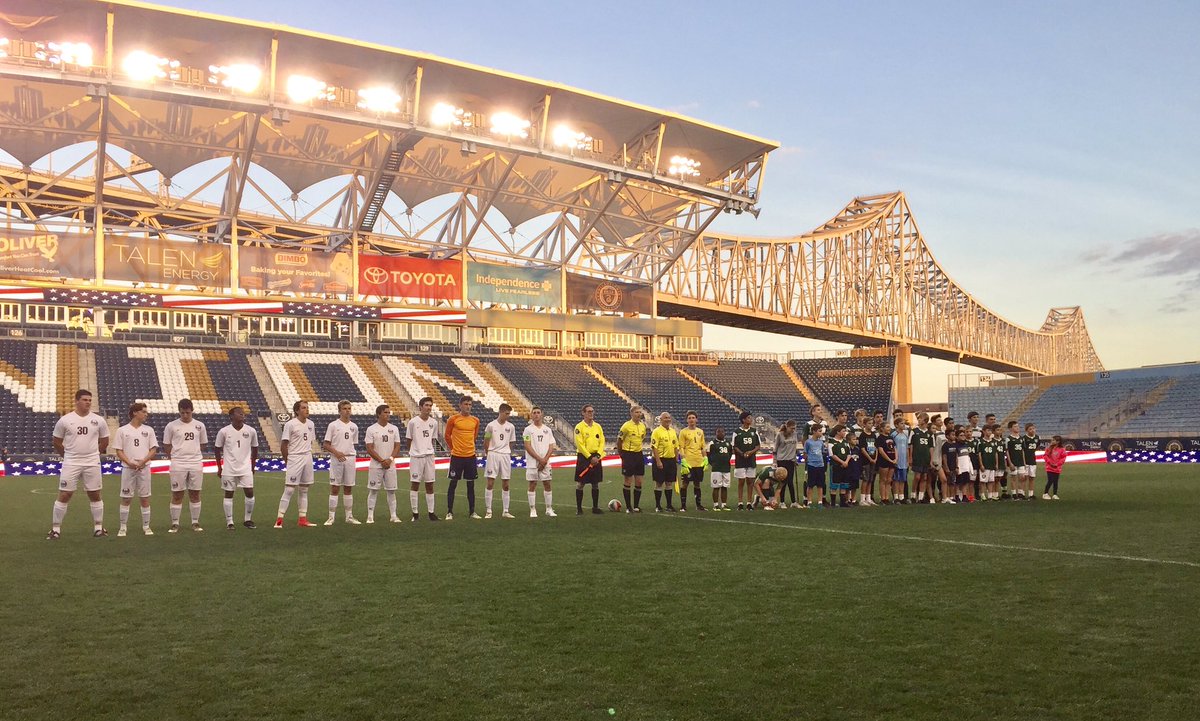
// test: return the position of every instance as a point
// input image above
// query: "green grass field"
(838, 614)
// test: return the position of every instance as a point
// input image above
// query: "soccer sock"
(332, 506)
(303, 501)
(228, 506)
(348, 504)
(372, 498)
(506, 499)
(487, 500)
(471, 496)
(176, 512)
(548, 497)
(60, 512)
(430, 501)
(579, 499)
(682, 498)
(124, 514)
(414, 500)
(697, 495)
(670, 493)
(657, 498)
(249, 507)
(450, 495)
(391, 500)
(97, 513)
(637, 497)
(194, 509)
(532, 500)
(286, 499)
(595, 496)
(145, 516)
(627, 492)
(921, 496)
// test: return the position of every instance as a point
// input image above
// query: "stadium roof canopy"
(176, 88)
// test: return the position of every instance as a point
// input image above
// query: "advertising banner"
(587, 293)
(35, 255)
(493, 283)
(294, 270)
(400, 276)
(173, 262)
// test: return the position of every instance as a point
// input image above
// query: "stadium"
(250, 216)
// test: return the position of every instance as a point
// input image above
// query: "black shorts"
(963, 479)
(587, 473)
(816, 477)
(694, 475)
(463, 467)
(633, 463)
(852, 483)
(668, 473)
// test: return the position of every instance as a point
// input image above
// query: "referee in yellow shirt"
(589, 444)
(664, 444)
(694, 452)
(630, 440)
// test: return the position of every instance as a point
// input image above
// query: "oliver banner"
(34, 255)
(173, 262)
(294, 270)
(492, 283)
(401, 276)
(587, 293)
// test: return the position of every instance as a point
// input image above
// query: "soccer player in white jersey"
(298, 436)
(183, 442)
(539, 445)
(80, 437)
(498, 435)
(136, 445)
(383, 446)
(236, 449)
(341, 436)
(420, 431)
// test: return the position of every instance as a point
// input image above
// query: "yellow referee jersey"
(632, 436)
(691, 445)
(589, 440)
(666, 442)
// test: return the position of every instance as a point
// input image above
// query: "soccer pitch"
(1084, 608)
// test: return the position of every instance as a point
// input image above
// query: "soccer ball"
(615, 506)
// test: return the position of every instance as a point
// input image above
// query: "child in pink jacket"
(1054, 457)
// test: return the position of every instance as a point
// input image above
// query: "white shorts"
(70, 475)
(533, 475)
(421, 469)
(135, 483)
(747, 473)
(986, 476)
(499, 465)
(1020, 471)
(342, 473)
(384, 478)
(719, 480)
(185, 478)
(299, 473)
(1031, 471)
(229, 483)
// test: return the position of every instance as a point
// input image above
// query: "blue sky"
(1049, 150)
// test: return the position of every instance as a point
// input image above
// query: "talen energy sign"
(173, 262)
(420, 279)
(35, 255)
(492, 283)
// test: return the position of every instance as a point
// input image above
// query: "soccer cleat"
(449, 516)
(658, 509)
(415, 518)
(329, 521)
(53, 535)
(174, 528)
(597, 511)
(671, 509)
(550, 513)
(533, 513)
(506, 514)
(487, 516)
(1045, 496)
(121, 532)
(741, 506)
(394, 519)
(476, 516)
(100, 533)
(578, 511)
(229, 526)
(433, 516)
(305, 523)
(683, 509)
(637, 509)
(1054, 497)
(147, 531)
(353, 521)
(370, 520)
(249, 524)
(196, 527)
(279, 522)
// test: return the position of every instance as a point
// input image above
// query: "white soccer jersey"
(81, 437)
(236, 445)
(502, 435)
(186, 440)
(299, 437)
(420, 435)
(135, 441)
(384, 440)
(343, 437)
(537, 439)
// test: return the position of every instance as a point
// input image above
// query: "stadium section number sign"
(174, 262)
(397, 276)
(294, 270)
(587, 293)
(493, 283)
(32, 254)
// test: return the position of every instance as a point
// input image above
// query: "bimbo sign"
(396, 276)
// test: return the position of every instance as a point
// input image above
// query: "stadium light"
(303, 89)
(239, 77)
(144, 67)
(567, 137)
(380, 99)
(3, 47)
(445, 115)
(509, 125)
(683, 167)
(64, 53)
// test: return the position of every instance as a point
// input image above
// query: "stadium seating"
(1174, 415)
(1062, 408)
(846, 383)
(754, 386)
(37, 384)
(1001, 400)
(659, 387)
(562, 387)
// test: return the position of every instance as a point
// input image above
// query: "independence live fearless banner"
(399, 276)
(173, 262)
(34, 255)
(492, 283)
(294, 270)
